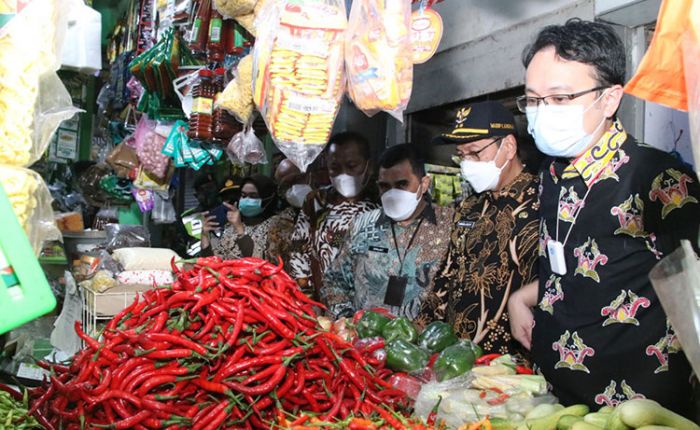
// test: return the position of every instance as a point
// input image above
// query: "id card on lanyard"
(396, 287)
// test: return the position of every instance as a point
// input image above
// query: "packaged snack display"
(123, 160)
(148, 145)
(298, 73)
(234, 8)
(237, 97)
(379, 56)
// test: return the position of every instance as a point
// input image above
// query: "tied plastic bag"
(298, 73)
(163, 209)
(126, 236)
(148, 145)
(123, 160)
(31, 202)
(82, 49)
(246, 147)
(378, 56)
(33, 100)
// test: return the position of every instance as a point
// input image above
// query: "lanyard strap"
(410, 242)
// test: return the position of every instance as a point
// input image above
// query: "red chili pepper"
(184, 342)
(262, 388)
(486, 360)
(523, 370)
(432, 416)
(388, 417)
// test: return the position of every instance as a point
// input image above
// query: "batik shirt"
(492, 253)
(318, 236)
(601, 336)
(280, 236)
(358, 278)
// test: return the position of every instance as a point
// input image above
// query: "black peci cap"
(479, 121)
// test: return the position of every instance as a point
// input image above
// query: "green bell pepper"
(437, 336)
(403, 356)
(478, 352)
(400, 328)
(453, 361)
(371, 324)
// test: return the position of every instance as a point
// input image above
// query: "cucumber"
(656, 428)
(543, 410)
(642, 412)
(615, 423)
(582, 425)
(550, 421)
(567, 421)
(501, 424)
(606, 410)
(597, 419)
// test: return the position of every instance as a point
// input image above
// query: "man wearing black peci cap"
(493, 245)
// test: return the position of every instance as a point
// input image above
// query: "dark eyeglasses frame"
(522, 101)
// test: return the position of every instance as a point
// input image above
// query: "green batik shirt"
(358, 278)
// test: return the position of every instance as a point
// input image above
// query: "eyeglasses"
(473, 156)
(525, 102)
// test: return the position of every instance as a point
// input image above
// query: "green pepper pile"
(14, 414)
(408, 351)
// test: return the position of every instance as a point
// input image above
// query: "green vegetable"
(437, 336)
(615, 423)
(371, 324)
(501, 424)
(14, 413)
(597, 419)
(656, 428)
(543, 410)
(550, 421)
(476, 349)
(400, 328)
(642, 412)
(606, 410)
(568, 421)
(404, 356)
(582, 425)
(532, 384)
(453, 361)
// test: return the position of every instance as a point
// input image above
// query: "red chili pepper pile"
(230, 345)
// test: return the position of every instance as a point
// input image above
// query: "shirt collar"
(596, 159)
(428, 213)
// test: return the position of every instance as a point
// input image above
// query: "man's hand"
(520, 313)
(234, 218)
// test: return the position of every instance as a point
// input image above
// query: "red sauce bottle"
(202, 107)
(200, 27)
(215, 47)
(225, 124)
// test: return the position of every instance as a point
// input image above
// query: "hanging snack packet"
(298, 73)
(379, 56)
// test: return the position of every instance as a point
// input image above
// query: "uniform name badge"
(557, 262)
(395, 290)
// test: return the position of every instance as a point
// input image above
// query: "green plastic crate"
(25, 293)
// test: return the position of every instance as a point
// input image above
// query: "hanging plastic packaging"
(33, 100)
(246, 147)
(691, 61)
(31, 202)
(234, 8)
(163, 209)
(298, 73)
(379, 56)
(148, 147)
(237, 97)
(82, 49)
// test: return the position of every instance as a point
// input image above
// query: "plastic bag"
(31, 202)
(298, 73)
(33, 100)
(123, 160)
(379, 56)
(148, 145)
(126, 236)
(82, 49)
(234, 8)
(691, 62)
(163, 209)
(144, 199)
(237, 97)
(246, 147)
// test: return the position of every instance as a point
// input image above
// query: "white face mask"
(482, 175)
(296, 195)
(558, 130)
(399, 205)
(349, 186)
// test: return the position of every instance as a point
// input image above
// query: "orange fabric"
(660, 77)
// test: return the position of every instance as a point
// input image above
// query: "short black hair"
(587, 42)
(399, 153)
(346, 137)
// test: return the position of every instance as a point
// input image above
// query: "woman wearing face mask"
(328, 213)
(248, 222)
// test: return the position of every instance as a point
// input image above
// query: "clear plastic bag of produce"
(378, 56)
(299, 74)
(464, 401)
(234, 8)
(126, 236)
(31, 201)
(148, 145)
(237, 97)
(33, 100)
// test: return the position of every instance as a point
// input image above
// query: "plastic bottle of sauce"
(225, 124)
(200, 27)
(215, 47)
(202, 105)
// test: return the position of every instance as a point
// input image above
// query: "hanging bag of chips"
(298, 73)
(378, 56)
